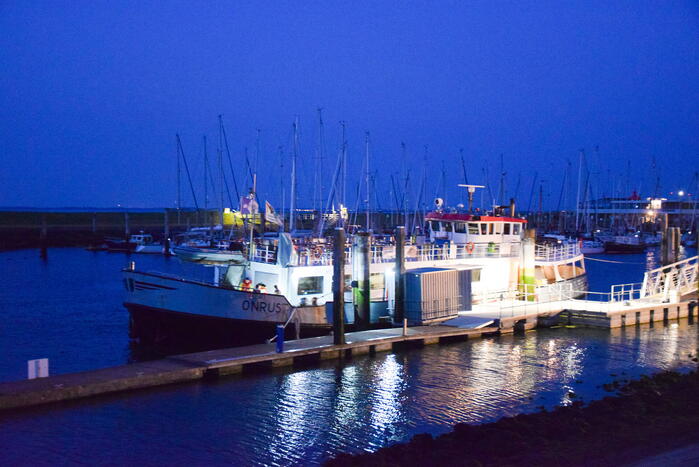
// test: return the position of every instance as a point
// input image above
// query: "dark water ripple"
(285, 417)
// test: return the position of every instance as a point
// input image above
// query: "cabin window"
(310, 285)
(484, 229)
(498, 228)
(515, 229)
(475, 275)
(377, 281)
(472, 228)
(434, 225)
(459, 227)
(490, 228)
(506, 228)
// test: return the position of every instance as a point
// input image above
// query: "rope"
(587, 258)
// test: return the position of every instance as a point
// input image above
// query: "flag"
(271, 216)
(248, 205)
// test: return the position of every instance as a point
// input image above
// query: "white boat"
(591, 247)
(144, 243)
(289, 282)
(208, 255)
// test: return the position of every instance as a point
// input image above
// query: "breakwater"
(648, 416)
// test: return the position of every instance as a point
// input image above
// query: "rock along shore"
(647, 416)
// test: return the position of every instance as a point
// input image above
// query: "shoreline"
(648, 417)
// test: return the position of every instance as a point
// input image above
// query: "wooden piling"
(399, 299)
(361, 249)
(339, 287)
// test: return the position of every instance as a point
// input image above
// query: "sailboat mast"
(179, 189)
(366, 178)
(206, 175)
(577, 197)
(292, 201)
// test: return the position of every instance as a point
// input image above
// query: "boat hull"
(168, 310)
(167, 329)
(614, 247)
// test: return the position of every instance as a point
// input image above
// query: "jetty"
(667, 293)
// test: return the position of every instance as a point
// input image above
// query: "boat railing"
(557, 252)
(321, 255)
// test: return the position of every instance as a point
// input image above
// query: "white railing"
(321, 255)
(677, 278)
(626, 292)
(557, 252)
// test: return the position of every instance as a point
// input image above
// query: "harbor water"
(68, 308)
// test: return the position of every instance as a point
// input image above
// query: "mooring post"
(127, 231)
(42, 237)
(361, 247)
(399, 290)
(280, 338)
(339, 287)
(166, 234)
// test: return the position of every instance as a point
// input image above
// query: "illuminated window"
(310, 285)
(475, 275)
(490, 229)
(498, 228)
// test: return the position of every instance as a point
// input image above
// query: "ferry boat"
(288, 281)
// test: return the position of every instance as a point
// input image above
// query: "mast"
(577, 197)
(281, 182)
(344, 170)
(292, 201)
(366, 178)
(206, 176)
(179, 189)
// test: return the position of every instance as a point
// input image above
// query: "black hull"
(173, 331)
(623, 248)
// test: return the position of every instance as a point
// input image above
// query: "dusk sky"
(93, 93)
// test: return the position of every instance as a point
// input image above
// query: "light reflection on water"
(304, 416)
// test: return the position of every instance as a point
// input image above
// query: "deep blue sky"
(92, 93)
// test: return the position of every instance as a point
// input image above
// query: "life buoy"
(469, 247)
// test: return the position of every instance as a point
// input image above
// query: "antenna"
(471, 191)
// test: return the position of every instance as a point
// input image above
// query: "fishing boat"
(289, 281)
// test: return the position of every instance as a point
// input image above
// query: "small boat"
(591, 247)
(144, 243)
(212, 256)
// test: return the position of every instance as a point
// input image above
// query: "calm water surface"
(69, 309)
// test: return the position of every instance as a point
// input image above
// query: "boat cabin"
(467, 228)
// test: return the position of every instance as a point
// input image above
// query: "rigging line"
(189, 177)
(587, 258)
(230, 162)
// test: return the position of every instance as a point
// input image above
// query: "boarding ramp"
(671, 281)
